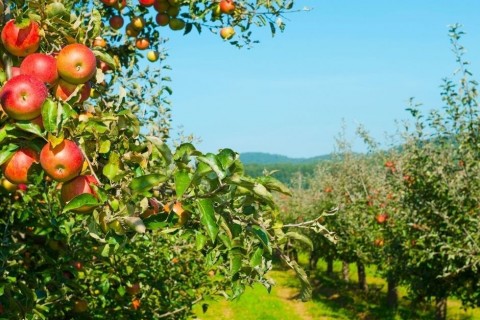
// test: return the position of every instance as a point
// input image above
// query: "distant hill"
(256, 162)
(267, 158)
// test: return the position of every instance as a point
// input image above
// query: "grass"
(332, 299)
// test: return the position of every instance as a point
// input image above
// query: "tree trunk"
(362, 277)
(329, 266)
(440, 308)
(392, 293)
(345, 271)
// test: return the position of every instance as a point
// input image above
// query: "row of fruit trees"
(412, 210)
(100, 216)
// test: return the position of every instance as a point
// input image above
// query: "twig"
(178, 310)
(89, 164)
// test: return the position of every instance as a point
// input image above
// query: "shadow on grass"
(346, 298)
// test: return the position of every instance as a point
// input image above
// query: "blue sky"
(359, 61)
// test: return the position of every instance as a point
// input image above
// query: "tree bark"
(440, 308)
(392, 293)
(345, 271)
(329, 266)
(362, 277)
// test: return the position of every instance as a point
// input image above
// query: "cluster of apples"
(26, 93)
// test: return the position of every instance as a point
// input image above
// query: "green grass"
(332, 299)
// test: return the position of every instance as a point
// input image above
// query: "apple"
(142, 43)
(133, 289)
(56, 9)
(138, 23)
(99, 42)
(381, 218)
(77, 265)
(22, 97)
(63, 91)
(38, 121)
(152, 56)
(227, 6)
(109, 3)
(146, 3)
(16, 71)
(176, 24)
(77, 186)
(21, 39)
(173, 11)
(161, 5)
(76, 63)
(175, 2)
(62, 162)
(41, 66)
(16, 169)
(116, 22)
(8, 186)
(131, 31)
(227, 33)
(379, 242)
(162, 19)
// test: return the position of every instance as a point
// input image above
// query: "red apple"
(162, 19)
(381, 218)
(22, 97)
(38, 121)
(17, 168)
(76, 187)
(227, 6)
(146, 3)
(62, 162)
(41, 66)
(64, 90)
(161, 5)
(76, 63)
(21, 39)
(133, 289)
(116, 22)
(16, 71)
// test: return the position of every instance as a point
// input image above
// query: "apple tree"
(100, 215)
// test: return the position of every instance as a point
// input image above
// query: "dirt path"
(288, 296)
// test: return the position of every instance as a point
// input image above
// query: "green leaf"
(85, 199)
(96, 19)
(236, 257)
(112, 168)
(211, 160)
(227, 157)
(273, 184)
(184, 151)
(263, 236)
(207, 217)
(200, 241)
(105, 57)
(104, 146)
(162, 148)
(49, 115)
(147, 182)
(256, 258)
(300, 237)
(6, 152)
(262, 192)
(182, 182)
(29, 127)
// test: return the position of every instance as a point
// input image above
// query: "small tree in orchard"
(440, 194)
(99, 216)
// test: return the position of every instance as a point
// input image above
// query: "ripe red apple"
(62, 162)
(64, 90)
(379, 242)
(22, 97)
(162, 19)
(116, 22)
(76, 63)
(161, 5)
(75, 187)
(146, 3)
(41, 66)
(227, 6)
(16, 71)
(21, 39)
(109, 3)
(17, 168)
(381, 218)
